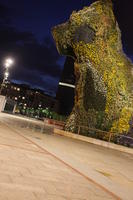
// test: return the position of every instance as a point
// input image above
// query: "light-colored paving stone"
(27, 173)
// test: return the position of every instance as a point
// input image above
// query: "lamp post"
(7, 64)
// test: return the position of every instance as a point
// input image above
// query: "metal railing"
(94, 133)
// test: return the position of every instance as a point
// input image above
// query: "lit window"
(18, 89)
(23, 97)
(16, 98)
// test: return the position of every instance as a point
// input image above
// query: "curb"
(93, 141)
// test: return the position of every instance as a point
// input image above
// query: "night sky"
(25, 35)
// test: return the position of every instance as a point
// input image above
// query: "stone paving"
(27, 172)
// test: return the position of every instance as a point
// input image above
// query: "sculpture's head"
(85, 27)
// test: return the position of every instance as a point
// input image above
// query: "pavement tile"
(16, 194)
(28, 175)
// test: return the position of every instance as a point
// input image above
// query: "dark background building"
(27, 97)
(65, 92)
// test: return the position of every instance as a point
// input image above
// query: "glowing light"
(66, 85)
(7, 65)
(9, 61)
(6, 74)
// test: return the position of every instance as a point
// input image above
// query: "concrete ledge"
(94, 141)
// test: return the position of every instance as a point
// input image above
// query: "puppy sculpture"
(104, 80)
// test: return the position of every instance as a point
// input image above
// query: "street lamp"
(6, 75)
(7, 64)
(9, 61)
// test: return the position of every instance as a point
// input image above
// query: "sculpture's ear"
(85, 34)
(107, 6)
(107, 2)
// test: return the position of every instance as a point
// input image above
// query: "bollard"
(78, 130)
(110, 135)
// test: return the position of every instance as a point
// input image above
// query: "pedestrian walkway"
(27, 172)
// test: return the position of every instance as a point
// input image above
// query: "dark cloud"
(37, 80)
(34, 61)
(40, 57)
(10, 36)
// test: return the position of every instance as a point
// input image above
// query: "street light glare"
(6, 74)
(9, 61)
(7, 65)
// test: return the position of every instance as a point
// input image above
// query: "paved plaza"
(36, 166)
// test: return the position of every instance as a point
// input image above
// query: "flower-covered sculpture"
(104, 81)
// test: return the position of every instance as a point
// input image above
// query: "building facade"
(66, 88)
(28, 97)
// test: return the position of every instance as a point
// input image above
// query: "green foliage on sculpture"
(104, 92)
(96, 89)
